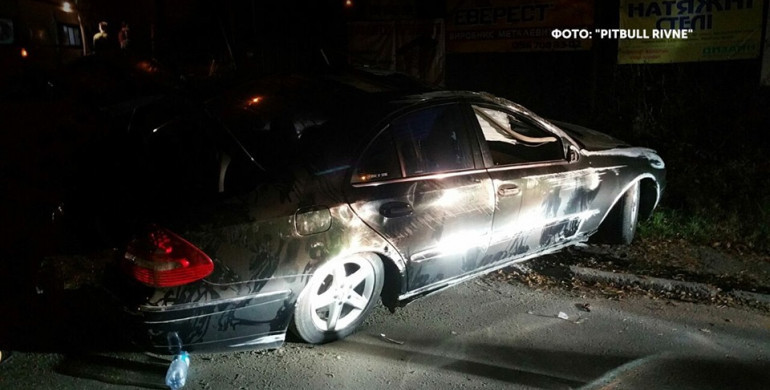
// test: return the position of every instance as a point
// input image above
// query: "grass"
(739, 229)
(717, 196)
(711, 132)
(714, 198)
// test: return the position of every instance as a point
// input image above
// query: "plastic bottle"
(177, 371)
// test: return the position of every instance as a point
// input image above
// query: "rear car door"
(421, 184)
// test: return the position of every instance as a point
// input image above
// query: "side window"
(433, 140)
(513, 140)
(379, 162)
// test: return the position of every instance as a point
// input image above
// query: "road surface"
(484, 334)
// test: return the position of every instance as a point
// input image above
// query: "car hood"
(590, 139)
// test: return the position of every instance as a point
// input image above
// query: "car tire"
(620, 225)
(4, 356)
(337, 299)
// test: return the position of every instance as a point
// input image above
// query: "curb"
(701, 290)
(693, 288)
(751, 296)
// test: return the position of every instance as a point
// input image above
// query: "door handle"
(396, 209)
(508, 190)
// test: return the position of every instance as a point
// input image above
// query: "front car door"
(421, 185)
(540, 201)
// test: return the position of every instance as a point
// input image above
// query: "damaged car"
(298, 204)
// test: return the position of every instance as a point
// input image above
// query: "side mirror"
(573, 154)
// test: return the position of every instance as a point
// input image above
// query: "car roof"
(271, 115)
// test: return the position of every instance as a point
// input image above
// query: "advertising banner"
(717, 30)
(412, 47)
(509, 25)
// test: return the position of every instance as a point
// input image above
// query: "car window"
(432, 140)
(379, 161)
(180, 156)
(513, 140)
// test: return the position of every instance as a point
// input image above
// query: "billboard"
(412, 47)
(717, 30)
(475, 26)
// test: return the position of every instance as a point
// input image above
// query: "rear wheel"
(338, 298)
(620, 225)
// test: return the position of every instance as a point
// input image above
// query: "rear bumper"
(257, 321)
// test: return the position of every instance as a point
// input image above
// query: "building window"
(70, 35)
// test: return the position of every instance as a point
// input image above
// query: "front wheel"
(620, 225)
(338, 298)
(4, 355)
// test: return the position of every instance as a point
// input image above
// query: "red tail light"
(160, 258)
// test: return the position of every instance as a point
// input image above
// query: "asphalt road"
(483, 334)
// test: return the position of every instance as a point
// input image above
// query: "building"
(40, 35)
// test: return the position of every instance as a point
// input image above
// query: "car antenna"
(237, 141)
(326, 59)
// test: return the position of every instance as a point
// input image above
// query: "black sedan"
(299, 203)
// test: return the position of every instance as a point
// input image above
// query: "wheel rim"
(340, 293)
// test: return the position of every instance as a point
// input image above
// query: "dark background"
(707, 119)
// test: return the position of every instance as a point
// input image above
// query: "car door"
(538, 198)
(419, 185)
